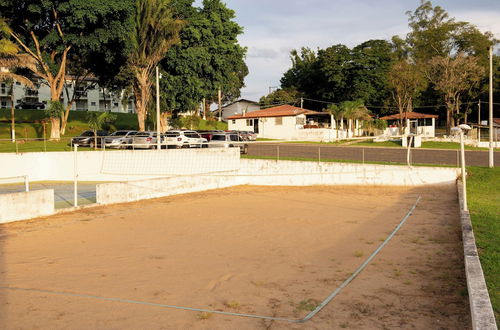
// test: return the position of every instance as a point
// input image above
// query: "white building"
(286, 122)
(238, 108)
(90, 97)
(415, 123)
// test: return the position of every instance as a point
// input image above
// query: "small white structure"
(416, 123)
(239, 107)
(285, 122)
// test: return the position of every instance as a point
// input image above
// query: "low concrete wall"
(110, 193)
(265, 172)
(26, 205)
(272, 173)
(118, 165)
(482, 314)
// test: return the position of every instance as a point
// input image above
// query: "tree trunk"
(65, 117)
(142, 92)
(164, 121)
(55, 131)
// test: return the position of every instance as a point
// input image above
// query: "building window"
(301, 121)
(4, 104)
(249, 122)
(93, 104)
(116, 104)
(234, 121)
(278, 121)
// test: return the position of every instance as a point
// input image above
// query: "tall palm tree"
(10, 59)
(155, 31)
(336, 115)
(353, 111)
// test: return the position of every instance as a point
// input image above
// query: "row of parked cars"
(129, 139)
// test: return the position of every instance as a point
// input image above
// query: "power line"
(394, 107)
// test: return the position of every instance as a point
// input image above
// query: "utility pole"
(302, 103)
(158, 135)
(204, 108)
(479, 121)
(219, 97)
(491, 160)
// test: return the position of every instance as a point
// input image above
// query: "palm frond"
(9, 76)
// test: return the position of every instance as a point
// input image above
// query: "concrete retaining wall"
(482, 314)
(109, 193)
(118, 165)
(26, 205)
(272, 173)
(266, 172)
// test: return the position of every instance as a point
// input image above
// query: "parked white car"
(228, 140)
(184, 139)
(119, 139)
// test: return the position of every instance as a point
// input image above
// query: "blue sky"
(274, 27)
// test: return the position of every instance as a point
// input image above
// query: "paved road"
(370, 154)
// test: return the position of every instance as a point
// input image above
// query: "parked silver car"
(146, 140)
(184, 139)
(228, 140)
(120, 139)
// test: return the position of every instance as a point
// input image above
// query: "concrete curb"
(482, 314)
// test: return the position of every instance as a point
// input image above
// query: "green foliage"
(281, 96)
(97, 120)
(338, 73)
(94, 28)
(54, 109)
(208, 58)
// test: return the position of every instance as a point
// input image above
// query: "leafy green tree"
(49, 31)
(305, 74)
(280, 96)
(434, 34)
(371, 62)
(406, 81)
(156, 30)
(335, 64)
(97, 120)
(453, 77)
(207, 59)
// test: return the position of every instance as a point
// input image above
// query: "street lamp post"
(491, 159)
(460, 129)
(158, 136)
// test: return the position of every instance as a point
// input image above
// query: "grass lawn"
(29, 125)
(483, 189)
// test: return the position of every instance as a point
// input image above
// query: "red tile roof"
(409, 115)
(279, 111)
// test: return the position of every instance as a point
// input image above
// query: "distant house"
(239, 107)
(284, 122)
(414, 123)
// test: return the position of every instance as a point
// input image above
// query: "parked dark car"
(207, 134)
(32, 105)
(86, 139)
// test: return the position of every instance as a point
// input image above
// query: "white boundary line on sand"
(272, 318)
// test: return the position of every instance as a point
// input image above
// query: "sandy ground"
(261, 250)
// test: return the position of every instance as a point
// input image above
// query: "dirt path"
(260, 250)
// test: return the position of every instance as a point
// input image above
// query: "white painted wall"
(26, 205)
(117, 165)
